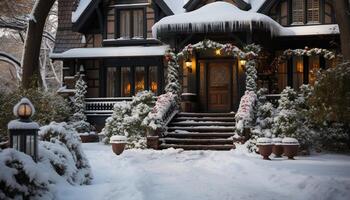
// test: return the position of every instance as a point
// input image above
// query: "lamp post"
(23, 132)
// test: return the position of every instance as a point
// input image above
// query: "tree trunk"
(342, 13)
(36, 24)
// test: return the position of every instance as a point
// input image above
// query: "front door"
(219, 87)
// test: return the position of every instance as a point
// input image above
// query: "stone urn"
(265, 147)
(290, 147)
(277, 148)
(118, 143)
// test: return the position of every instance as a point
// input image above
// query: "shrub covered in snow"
(20, 177)
(127, 119)
(79, 120)
(66, 136)
(165, 103)
(173, 84)
(48, 105)
(245, 114)
(251, 75)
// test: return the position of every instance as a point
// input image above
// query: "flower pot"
(277, 148)
(88, 138)
(290, 147)
(265, 147)
(118, 144)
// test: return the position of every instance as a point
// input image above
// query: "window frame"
(132, 9)
(305, 20)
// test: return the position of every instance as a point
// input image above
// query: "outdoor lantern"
(242, 62)
(23, 132)
(81, 69)
(218, 52)
(188, 64)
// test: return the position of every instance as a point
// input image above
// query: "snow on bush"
(66, 136)
(164, 104)
(173, 84)
(251, 76)
(127, 119)
(245, 114)
(20, 177)
(79, 120)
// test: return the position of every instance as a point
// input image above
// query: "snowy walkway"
(209, 175)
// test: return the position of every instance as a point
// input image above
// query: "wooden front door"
(219, 87)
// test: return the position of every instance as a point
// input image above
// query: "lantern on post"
(23, 132)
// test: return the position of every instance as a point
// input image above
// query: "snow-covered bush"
(245, 114)
(48, 105)
(79, 120)
(173, 84)
(164, 104)
(20, 177)
(127, 119)
(66, 135)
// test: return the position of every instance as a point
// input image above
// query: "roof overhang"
(112, 52)
(82, 17)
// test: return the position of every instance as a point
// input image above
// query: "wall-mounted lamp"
(242, 62)
(188, 64)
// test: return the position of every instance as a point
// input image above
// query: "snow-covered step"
(199, 147)
(201, 123)
(187, 114)
(203, 128)
(198, 135)
(203, 119)
(196, 141)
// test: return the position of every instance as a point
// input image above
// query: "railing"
(102, 106)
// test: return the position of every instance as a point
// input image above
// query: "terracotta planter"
(277, 148)
(290, 147)
(265, 147)
(88, 138)
(118, 144)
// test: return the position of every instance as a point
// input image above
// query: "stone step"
(199, 147)
(203, 129)
(222, 119)
(198, 135)
(196, 141)
(188, 114)
(203, 123)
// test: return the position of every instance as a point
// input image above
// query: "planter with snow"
(265, 147)
(277, 148)
(88, 137)
(290, 147)
(118, 143)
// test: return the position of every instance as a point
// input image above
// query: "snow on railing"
(102, 105)
(165, 106)
(245, 114)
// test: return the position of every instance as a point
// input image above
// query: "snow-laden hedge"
(245, 114)
(78, 171)
(22, 178)
(164, 104)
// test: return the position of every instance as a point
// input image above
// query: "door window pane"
(111, 81)
(298, 72)
(138, 24)
(314, 66)
(124, 27)
(153, 80)
(282, 76)
(125, 82)
(139, 79)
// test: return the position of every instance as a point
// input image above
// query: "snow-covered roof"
(83, 4)
(177, 6)
(204, 18)
(310, 30)
(103, 52)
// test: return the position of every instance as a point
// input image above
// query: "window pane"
(314, 66)
(138, 24)
(124, 32)
(298, 72)
(139, 79)
(298, 12)
(153, 80)
(126, 81)
(282, 76)
(313, 12)
(111, 81)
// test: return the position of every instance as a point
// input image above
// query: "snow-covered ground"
(209, 175)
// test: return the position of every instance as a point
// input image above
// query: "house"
(120, 46)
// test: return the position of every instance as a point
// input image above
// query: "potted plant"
(277, 148)
(265, 147)
(290, 147)
(118, 143)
